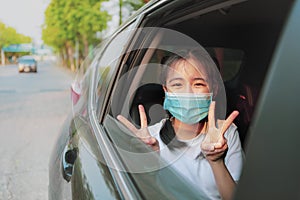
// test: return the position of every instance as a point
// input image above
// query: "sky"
(26, 16)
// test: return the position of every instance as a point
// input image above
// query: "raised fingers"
(211, 114)
(229, 121)
(143, 117)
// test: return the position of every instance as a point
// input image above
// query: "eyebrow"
(177, 78)
(200, 79)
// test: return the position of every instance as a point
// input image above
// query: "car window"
(87, 63)
(26, 58)
(109, 59)
(80, 86)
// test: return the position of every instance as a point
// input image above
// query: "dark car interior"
(244, 27)
(151, 96)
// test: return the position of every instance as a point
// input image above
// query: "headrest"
(151, 96)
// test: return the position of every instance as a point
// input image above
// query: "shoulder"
(155, 128)
(231, 131)
(232, 135)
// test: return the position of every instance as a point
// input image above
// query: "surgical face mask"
(189, 108)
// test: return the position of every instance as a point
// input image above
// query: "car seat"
(245, 104)
(151, 96)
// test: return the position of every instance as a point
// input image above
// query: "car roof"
(27, 57)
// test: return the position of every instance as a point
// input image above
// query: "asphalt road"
(33, 106)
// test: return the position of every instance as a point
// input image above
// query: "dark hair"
(200, 56)
(167, 133)
(168, 136)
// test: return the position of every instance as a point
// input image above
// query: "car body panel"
(273, 161)
(84, 177)
(58, 187)
(91, 179)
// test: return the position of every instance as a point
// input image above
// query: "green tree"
(134, 4)
(68, 22)
(9, 35)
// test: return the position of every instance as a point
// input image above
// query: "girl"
(207, 153)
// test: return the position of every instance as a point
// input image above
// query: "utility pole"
(2, 57)
(77, 55)
(120, 11)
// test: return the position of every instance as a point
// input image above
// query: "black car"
(27, 64)
(255, 45)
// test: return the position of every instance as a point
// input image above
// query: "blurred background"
(66, 29)
(58, 35)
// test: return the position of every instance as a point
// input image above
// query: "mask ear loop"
(171, 119)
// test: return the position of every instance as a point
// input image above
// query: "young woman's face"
(183, 77)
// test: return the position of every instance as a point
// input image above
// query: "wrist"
(216, 162)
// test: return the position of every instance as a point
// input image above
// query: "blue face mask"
(189, 108)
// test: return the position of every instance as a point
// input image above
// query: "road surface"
(33, 107)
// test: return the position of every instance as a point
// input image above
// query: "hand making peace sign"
(214, 144)
(143, 132)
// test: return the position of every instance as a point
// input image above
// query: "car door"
(75, 172)
(65, 152)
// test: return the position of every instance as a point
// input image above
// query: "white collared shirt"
(195, 168)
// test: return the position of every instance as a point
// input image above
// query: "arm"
(227, 169)
(225, 183)
(214, 147)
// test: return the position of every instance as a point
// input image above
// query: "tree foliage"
(136, 4)
(9, 35)
(71, 22)
(132, 5)
(75, 24)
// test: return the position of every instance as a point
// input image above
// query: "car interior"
(239, 37)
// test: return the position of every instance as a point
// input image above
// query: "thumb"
(150, 140)
(207, 146)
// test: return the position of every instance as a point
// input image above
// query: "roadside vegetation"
(73, 27)
(8, 36)
(11, 36)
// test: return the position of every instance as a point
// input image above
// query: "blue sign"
(19, 48)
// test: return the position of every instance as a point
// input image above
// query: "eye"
(176, 84)
(200, 84)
